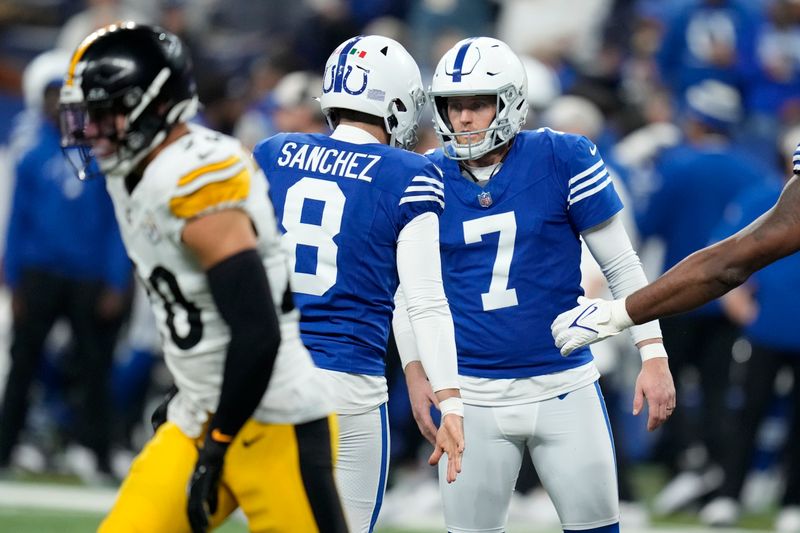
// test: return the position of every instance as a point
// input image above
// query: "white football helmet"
(376, 75)
(478, 66)
(48, 67)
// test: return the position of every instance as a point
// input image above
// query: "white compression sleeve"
(612, 249)
(420, 272)
(403, 333)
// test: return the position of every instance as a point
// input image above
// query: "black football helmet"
(129, 83)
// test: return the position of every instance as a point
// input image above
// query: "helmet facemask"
(499, 132)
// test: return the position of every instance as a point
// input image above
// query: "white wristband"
(651, 351)
(453, 405)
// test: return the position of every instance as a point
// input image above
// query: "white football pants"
(570, 442)
(362, 465)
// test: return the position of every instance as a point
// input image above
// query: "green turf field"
(45, 505)
(43, 521)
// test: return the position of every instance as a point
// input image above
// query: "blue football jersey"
(511, 251)
(341, 207)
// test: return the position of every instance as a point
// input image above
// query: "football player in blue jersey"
(358, 215)
(518, 205)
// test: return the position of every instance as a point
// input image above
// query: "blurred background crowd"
(694, 104)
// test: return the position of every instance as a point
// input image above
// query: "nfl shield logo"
(485, 199)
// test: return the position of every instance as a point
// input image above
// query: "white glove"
(592, 320)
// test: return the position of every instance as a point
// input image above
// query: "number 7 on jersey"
(499, 294)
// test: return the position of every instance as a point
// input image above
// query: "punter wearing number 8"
(358, 214)
(250, 414)
(518, 204)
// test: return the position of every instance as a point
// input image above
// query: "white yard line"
(56, 497)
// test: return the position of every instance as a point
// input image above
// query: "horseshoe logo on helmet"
(364, 78)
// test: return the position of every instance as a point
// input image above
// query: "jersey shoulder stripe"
(209, 168)
(212, 194)
(424, 189)
(588, 182)
(594, 190)
(422, 198)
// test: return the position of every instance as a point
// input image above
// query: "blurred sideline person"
(358, 215)
(697, 179)
(198, 225)
(518, 204)
(64, 258)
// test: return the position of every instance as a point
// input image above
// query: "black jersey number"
(162, 278)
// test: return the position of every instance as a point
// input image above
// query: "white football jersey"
(199, 173)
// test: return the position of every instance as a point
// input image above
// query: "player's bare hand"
(450, 441)
(655, 384)
(421, 396)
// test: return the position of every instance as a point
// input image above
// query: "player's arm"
(713, 271)
(611, 248)
(420, 273)
(698, 279)
(420, 393)
(224, 243)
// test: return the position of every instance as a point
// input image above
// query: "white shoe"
(762, 490)
(121, 461)
(81, 462)
(788, 520)
(29, 458)
(720, 512)
(687, 487)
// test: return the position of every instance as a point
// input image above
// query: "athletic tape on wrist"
(651, 351)
(453, 405)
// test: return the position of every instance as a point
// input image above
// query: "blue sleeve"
(591, 198)
(424, 193)
(21, 212)
(117, 272)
